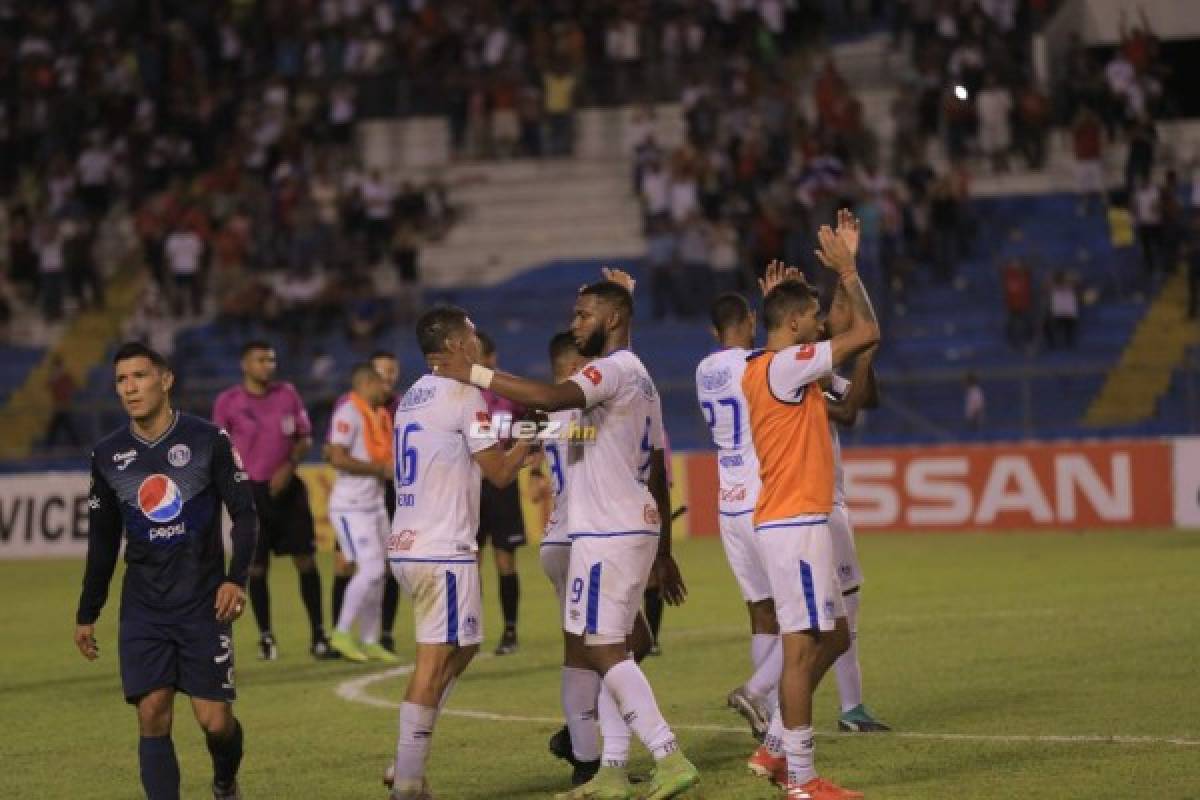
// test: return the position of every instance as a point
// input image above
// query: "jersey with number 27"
(437, 480)
(719, 390)
(608, 480)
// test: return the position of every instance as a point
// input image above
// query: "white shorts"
(362, 535)
(845, 554)
(798, 557)
(556, 559)
(447, 607)
(737, 537)
(605, 583)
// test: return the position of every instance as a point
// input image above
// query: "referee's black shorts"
(285, 522)
(500, 518)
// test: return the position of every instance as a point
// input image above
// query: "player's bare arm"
(339, 457)
(776, 273)
(835, 255)
(670, 579)
(529, 393)
(500, 466)
(845, 411)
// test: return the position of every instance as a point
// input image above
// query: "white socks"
(613, 730)
(774, 739)
(579, 690)
(766, 653)
(798, 746)
(363, 603)
(412, 746)
(846, 668)
(635, 698)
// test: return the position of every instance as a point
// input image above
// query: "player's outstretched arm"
(339, 457)
(104, 543)
(529, 393)
(234, 490)
(864, 330)
(500, 467)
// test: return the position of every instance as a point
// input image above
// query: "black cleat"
(229, 792)
(321, 650)
(560, 747)
(267, 650)
(584, 771)
(388, 642)
(508, 643)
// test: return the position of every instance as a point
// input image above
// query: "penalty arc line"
(354, 690)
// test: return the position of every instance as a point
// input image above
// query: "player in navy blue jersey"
(162, 480)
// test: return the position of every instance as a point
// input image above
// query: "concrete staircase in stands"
(1143, 375)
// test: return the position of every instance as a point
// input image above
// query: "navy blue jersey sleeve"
(104, 544)
(234, 490)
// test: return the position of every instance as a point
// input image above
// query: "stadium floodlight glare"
(960, 92)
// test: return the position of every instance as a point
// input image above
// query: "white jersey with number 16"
(437, 480)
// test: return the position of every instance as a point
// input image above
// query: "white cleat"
(406, 790)
(753, 709)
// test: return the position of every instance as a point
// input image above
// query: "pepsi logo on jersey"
(159, 498)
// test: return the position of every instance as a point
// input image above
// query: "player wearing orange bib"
(790, 428)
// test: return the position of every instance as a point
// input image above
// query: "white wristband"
(481, 376)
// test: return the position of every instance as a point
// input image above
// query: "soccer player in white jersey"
(844, 399)
(580, 684)
(719, 391)
(619, 525)
(443, 442)
(360, 450)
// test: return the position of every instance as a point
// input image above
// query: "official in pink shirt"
(270, 428)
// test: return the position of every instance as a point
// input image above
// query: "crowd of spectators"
(220, 133)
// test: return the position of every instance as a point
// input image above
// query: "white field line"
(354, 690)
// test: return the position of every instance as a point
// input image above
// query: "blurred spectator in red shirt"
(62, 388)
(1018, 302)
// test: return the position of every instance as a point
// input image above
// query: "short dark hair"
(728, 310)
(255, 344)
(383, 354)
(436, 325)
(139, 350)
(487, 345)
(562, 344)
(360, 370)
(612, 292)
(786, 298)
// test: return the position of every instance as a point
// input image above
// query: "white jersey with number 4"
(838, 386)
(719, 390)
(352, 492)
(437, 480)
(608, 479)
(558, 455)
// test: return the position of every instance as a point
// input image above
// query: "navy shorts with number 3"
(193, 656)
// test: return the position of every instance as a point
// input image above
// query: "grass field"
(1004, 663)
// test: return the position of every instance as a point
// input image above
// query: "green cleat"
(672, 776)
(377, 652)
(344, 643)
(859, 720)
(610, 783)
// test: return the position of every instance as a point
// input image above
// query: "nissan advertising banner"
(1142, 483)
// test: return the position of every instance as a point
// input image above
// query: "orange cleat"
(818, 789)
(765, 765)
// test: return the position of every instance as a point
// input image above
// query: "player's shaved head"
(562, 345)
(728, 310)
(603, 315)
(362, 373)
(439, 324)
(255, 345)
(786, 299)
